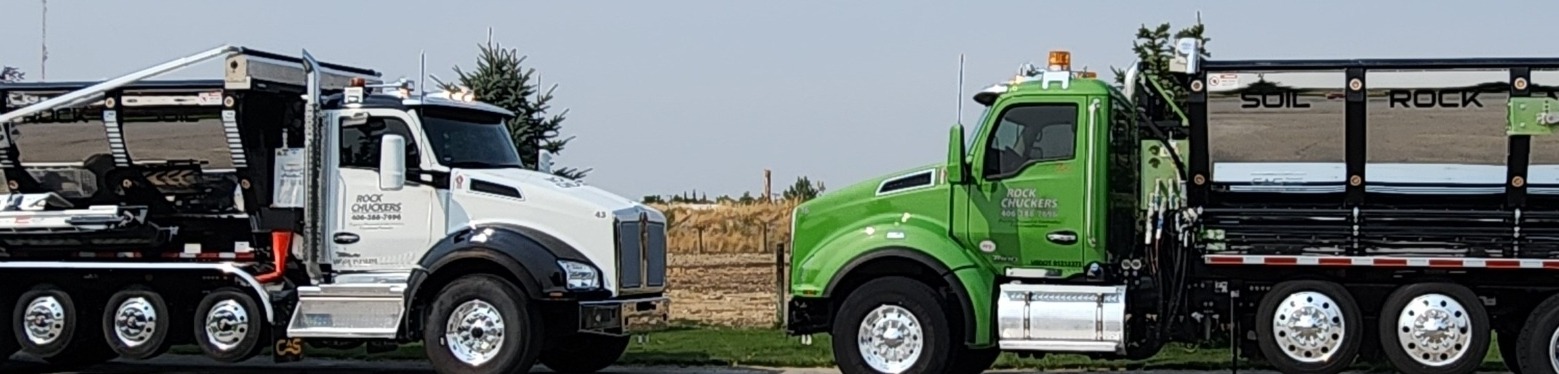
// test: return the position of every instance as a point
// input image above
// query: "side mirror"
(392, 162)
(957, 169)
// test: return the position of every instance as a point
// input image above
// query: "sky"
(672, 96)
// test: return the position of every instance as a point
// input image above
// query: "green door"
(1028, 194)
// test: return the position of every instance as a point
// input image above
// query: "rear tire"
(136, 321)
(1309, 326)
(1433, 328)
(582, 353)
(8, 344)
(229, 325)
(903, 316)
(1535, 352)
(456, 333)
(48, 324)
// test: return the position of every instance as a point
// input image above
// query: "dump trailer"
(1315, 213)
(288, 203)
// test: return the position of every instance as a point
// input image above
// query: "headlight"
(580, 276)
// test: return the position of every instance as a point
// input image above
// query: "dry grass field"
(722, 270)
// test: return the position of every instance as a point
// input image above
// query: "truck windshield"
(469, 139)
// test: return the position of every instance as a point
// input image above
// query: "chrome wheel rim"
(1308, 327)
(475, 332)
(1434, 330)
(1553, 349)
(135, 321)
(227, 324)
(44, 320)
(890, 339)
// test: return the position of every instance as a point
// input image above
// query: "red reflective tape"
(1446, 263)
(1280, 261)
(1389, 262)
(1336, 261)
(1502, 264)
(1225, 260)
(1551, 264)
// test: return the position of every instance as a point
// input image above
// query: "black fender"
(529, 255)
(962, 295)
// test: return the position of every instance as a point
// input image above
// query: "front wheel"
(893, 325)
(482, 324)
(584, 353)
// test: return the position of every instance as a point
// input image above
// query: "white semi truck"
(295, 203)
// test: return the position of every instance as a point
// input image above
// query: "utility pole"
(43, 63)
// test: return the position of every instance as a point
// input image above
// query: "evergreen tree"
(803, 190)
(499, 79)
(746, 198)
(1154, 48)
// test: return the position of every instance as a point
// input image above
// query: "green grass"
(713, 346)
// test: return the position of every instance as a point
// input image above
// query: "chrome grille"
(641, 255)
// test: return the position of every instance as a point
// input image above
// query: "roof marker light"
(1060, 61)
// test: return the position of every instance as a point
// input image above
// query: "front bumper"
(623, 317)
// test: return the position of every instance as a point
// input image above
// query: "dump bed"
(1366, 157)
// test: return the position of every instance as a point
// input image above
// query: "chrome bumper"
(623, 317)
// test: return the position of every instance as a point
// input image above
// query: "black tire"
(77, 342)
(141, 344)
(522, 332)
(1531, 351)
(229, 325)
(581, 353)
(901, 294)
(974, 361)
(1477, 329)
(8, 344)
(1341, 309)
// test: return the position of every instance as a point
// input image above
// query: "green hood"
(860, 204)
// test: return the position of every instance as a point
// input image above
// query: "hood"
(525, 179)
(868, 189)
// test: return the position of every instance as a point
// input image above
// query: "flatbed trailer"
(291, 203)
(1314, 212)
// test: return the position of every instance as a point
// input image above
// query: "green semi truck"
(1317, 213)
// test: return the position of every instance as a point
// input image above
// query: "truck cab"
(1027, 198)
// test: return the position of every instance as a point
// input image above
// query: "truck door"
(1028, 196)
(373, 228)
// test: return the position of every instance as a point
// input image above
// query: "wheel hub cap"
(45, 320)
(1434, 329)
(227, 324)
(135, 321)
(890, 339)
(475, 332)
(1308, 326)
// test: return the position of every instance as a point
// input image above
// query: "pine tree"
(803, 189)
(1154, 49)
(501, 80)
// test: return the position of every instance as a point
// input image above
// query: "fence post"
(780, 304)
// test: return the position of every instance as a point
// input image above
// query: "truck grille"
(641, 255)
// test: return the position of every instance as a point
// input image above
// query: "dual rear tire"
(1424, 328)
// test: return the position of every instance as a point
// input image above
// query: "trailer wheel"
(893, 325)
(482, 324)
(136, 323)
(1309, 326)
(1434, 328)
(48, 325)
(1537, 348)
(229, 325)
(581, 353)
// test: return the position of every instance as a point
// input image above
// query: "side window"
(360, 144)
(1031, 133)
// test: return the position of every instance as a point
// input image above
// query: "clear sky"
(667, 96)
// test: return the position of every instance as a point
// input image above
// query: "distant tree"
(725, 199)
(10, 74)
(803, 190)
(1154, 48)
(499, 79)
(746, 198)
(653, 199)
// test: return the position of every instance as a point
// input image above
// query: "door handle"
(346, 238)
(1062, 237)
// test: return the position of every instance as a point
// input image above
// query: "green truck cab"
(902, 269)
